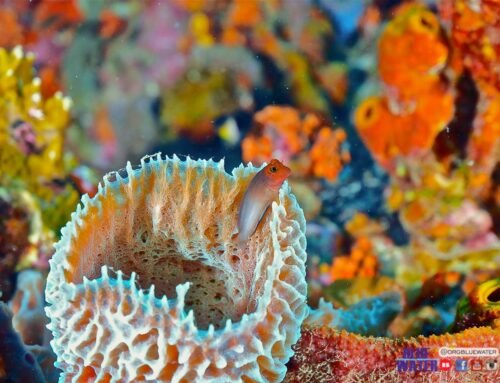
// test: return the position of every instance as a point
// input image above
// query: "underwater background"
(388, 115)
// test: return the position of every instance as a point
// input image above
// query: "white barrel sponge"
(149, 282)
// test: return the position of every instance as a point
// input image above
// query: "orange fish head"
(276, 173)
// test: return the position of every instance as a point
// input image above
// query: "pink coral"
(161, 30)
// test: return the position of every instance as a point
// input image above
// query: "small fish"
(229, 133)
(261, 191)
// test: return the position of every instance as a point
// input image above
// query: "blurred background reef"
(387, 112)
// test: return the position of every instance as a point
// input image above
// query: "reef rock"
(329, 356)
(27, 306)
(17, 363)
(370, 316)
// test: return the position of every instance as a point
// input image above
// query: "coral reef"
(386, 112)
(473, 31)
(37, 188)
(437, 287)
(46, 360)
(24, 239)
(361, 262)
(347, 292)
(16, 362)
(361, 225)
(435, 195)
(32, 132)
(219, 62)
(27, 306)
(480, 308)
(29, 337)
(29, 124)
(29, 322)
(326, 355)
(484, 144)
(370, 316)
(390, 134)
(424, 321)
(411, 53)
(416, 102)
(449, 230)
(206, 98)
(165, 227)
(309, 201)
(14, 229)
(299, 139)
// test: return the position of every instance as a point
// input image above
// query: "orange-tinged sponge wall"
(149, 282)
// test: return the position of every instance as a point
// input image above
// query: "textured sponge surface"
(149, 282)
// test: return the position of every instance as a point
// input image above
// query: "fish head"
(276, 173)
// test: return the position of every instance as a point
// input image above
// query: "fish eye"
(273, 169)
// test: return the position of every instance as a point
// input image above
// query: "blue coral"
(370, 316)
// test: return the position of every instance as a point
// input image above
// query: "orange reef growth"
(484, 144)
(389, 135)
(300, 140)
(474, 32)
(326, 355)
(326, 162)
(411, 52)
(361, 262)
(11, 30)
(416, 103)
(436, 199)
(474, 36)
(362, 225)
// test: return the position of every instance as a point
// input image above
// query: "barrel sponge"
(150, 284)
